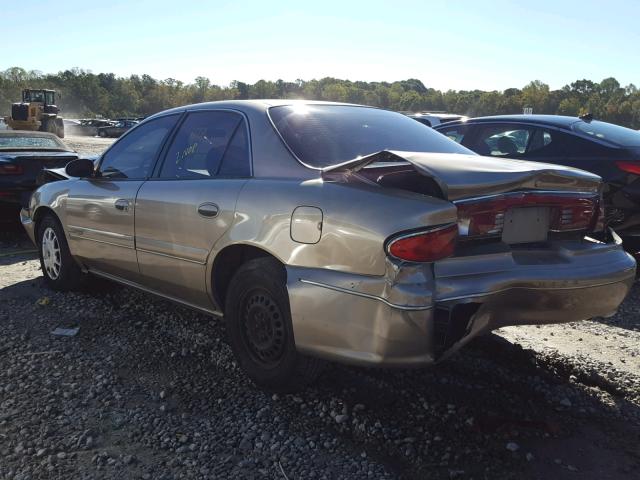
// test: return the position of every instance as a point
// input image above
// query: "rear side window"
(208, 144)
(133, 156)
(624, 137)
(456, 133)
(539, 140)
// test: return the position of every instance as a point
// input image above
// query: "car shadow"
(15, 245)
(626, 317)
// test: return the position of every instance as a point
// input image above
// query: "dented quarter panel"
(353, 232)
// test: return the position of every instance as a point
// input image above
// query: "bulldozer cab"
(37, 111)
(47, 97)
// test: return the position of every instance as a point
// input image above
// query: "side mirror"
(80, 168)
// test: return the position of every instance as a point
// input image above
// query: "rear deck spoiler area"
(463, 176)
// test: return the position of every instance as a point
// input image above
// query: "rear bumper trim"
(367, 295)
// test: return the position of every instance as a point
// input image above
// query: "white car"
(433, 119)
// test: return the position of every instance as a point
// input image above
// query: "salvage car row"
(325, 231)
(99, 127)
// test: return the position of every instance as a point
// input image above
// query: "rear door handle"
(122, 204)
(208, 210)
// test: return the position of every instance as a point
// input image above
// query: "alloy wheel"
(51, 253)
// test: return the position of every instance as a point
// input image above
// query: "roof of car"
(559, 121)
(436, 115)
(257, 104)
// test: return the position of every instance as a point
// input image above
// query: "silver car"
(327, 231)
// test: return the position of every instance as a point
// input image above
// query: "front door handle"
(208, 210)
(122, 204)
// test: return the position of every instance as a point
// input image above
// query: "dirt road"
(147, 389)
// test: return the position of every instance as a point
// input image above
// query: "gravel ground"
(88, 145)
(148, 389)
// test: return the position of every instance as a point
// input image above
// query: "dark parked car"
(117, 129)
(88, 126)
(23, 155)
(610, 151)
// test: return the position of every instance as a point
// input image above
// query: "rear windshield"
(22, 142)
(325, 135)
(624, 137)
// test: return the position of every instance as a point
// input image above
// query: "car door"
(100, 210)
(190, 203)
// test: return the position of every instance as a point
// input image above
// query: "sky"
(461, 44)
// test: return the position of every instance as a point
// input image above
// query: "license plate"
(524, 225)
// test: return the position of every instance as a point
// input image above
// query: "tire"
(59, 128)
(259, 329)
(60, 270)
(49, 125)
(102, 133)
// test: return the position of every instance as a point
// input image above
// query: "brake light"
(10, 169)
(424, 246)
(567, 211)
(629, 167)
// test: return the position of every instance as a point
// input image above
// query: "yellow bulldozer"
(37, 111)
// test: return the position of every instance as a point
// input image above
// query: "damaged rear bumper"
(419, 314)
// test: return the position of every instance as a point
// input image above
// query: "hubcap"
(51, 253)
(263, 328)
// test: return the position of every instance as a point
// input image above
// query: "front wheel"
(60, 271)
(258, 322)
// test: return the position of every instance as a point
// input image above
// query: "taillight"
(567, 211)
(574, 214)
(629, 167)
(10, 169)
(425, 245)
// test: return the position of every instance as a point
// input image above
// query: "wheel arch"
(227, 262)
(41, 212)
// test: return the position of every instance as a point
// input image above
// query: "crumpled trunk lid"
(467, 176)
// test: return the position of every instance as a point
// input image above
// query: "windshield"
(33, 96)
(624, 137)
(24, 142)
(325, 135)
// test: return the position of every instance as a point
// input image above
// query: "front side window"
(502, 140)
(325, 135)
(208, 144)
(134, 155)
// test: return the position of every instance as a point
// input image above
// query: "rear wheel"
(60, 270)
(258, 322)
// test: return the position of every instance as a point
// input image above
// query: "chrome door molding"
(170, 256)
(77, 231)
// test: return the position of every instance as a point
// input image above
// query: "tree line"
(86, 94)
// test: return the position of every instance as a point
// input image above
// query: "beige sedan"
(330, 232)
